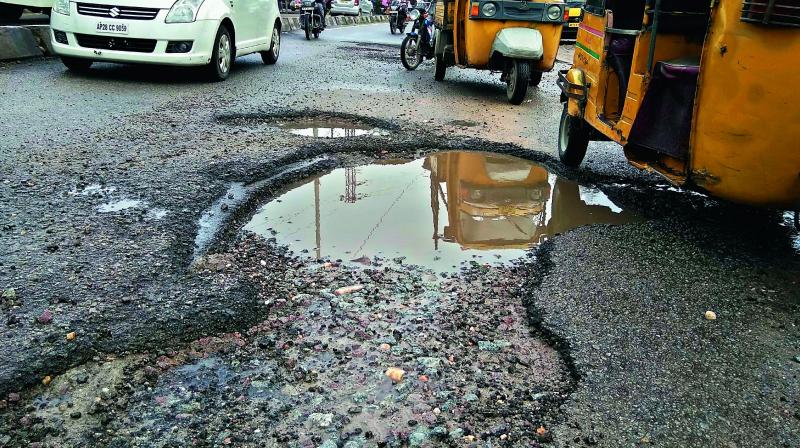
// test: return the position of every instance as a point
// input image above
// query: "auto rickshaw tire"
(441, 68)
(536, 78)
(518, 79)
(573, 139)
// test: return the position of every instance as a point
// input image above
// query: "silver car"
(351, 7)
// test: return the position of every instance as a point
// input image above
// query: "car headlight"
(183, 11)
(554, 12)
(61, 7)
(414, 14)
(489, 9)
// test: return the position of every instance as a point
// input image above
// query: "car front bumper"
(202, 34)
(342, 9)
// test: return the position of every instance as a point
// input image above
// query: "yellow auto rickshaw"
(698, 91)
(517, 38)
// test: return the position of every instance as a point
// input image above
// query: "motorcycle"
(310, 20)
(418, 45)
(397, 17)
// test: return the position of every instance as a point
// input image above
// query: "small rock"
(710, 315)
(14, 397)
(456, 433)
(71, 336)
(493, 346)
(424, 378)
(395, 374)
(797, 358)
(9, 294)
(46, 380)
(348, 289)
(320, 420)
(75, 415)
(45, 318)
(384, 347)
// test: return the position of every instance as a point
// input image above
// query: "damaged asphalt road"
(599, 336)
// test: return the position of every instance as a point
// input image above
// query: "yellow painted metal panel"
(746, 135)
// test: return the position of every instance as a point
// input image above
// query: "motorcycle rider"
(319, 8)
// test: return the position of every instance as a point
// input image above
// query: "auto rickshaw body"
(697, 91)
(517, 38)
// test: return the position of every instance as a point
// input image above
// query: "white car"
(210, 33)
(351, 7)
(12, 9)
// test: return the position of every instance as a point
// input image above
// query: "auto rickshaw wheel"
(441, 68)
(536, 78)
(573, 139)
(517, 82)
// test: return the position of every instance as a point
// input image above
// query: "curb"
(30, 41)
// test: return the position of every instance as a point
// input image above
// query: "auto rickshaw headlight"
(489, 9)
(554, 12)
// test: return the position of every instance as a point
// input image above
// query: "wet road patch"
(440, 211)
(327, 127)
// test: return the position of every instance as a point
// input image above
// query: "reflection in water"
(331, 128)
(439, 211)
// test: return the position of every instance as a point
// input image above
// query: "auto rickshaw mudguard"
(518, 43)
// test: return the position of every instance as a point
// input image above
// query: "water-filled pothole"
(439, 211)
(328, 127)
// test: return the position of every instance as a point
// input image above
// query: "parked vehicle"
(694, 91)
(209, 33)
(312, 20)
(397, 17)
(572, 19)
(419, 42)
(351, 7)
(12, 9)
(518, 39)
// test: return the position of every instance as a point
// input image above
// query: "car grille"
(117, 12)
(116, 43)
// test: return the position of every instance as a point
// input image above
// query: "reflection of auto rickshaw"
(694, 90)
(492, 201)
(518, 38)
(500, 202)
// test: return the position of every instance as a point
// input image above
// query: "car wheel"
(573, 139)
(10, 12)
(270, 57)
(517, 82)
(222, 56)
(441, 69)
(76, 64)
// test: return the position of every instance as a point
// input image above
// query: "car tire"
(517, 83)
(221, 56)
(441, 68)
(573, 139)
(271, 56)
(10, 12)
(78, 65)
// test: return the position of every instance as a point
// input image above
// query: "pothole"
(328, 127)
(440, 211)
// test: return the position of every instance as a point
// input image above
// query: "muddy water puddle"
(328, 128)
(440, 211)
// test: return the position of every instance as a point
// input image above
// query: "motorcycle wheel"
(316, 34)
(392, 27)
(410, 55)
(308, 31)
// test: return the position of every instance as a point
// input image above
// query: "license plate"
(112, 28)
(574, 24)
(308, 9)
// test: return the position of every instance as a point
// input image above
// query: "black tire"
(392, 27)
(316, 34)
(271, 56)
(308, 30)
(536, 78)
(410, 62)
(517, 83)
(10, 12)
(216, 70)
(441, 68)
(76, 64)
(573, 139)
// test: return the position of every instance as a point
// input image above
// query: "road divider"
(30, 41)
